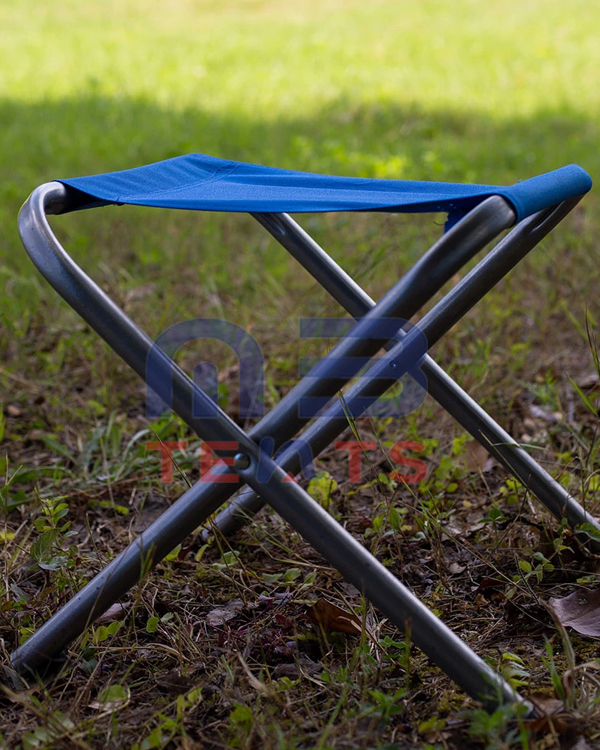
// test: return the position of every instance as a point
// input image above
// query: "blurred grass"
(476, 91)
(471, 91)
(272, 59)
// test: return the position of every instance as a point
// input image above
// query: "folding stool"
(477, 214)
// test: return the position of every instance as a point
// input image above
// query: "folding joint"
(241, 462)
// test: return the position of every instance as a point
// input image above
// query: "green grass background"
(477, 91)
(489, 91)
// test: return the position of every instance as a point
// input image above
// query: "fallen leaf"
(476, 456)
(580, 611)
(348, 589)
(481, 601)
(13, 410)
(589, 381)
(221, 615)
(295, 670)
(174, 682)
(456, 569)
(547, 705)
(545, 413)
(581, 744)
(331, 617)
(115, 612)
(17, 681)
(490, 583)
(453, 529)
(111, 698)
(552, 715)
(489, 590)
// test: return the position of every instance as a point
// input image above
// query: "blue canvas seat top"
(205, 183)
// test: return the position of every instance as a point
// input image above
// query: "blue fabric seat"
(204, 183)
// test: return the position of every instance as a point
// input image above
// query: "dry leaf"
(15, 679)
(13, 410)
(580, 611)
(545, 413)
(489, 590)
(476, 456)
(589, 381)
(453, 529)
(490, 583)
(175, 683)
(581, 744)
(481, 601)
(552, 715)
(331, 617)
(547, 705)
(456, 569)
(115, 612)
(221, 615)
(304, 666)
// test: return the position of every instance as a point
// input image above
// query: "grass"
(469, 91)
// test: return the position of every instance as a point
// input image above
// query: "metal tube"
(403, 300)
(386, 592)
(441, 387)
(106, 318)
(318, 527)
(427, 276)
(115, 327)
(127, 569)
(441, 262)
(327, 537)
(288, 498)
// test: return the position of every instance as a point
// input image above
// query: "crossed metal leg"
(265, 475)
(441, 387)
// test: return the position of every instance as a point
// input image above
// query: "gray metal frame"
(429, 274)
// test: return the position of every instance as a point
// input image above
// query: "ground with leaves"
(218, 648)
(254, 641)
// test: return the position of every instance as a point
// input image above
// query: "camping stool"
(264, 457)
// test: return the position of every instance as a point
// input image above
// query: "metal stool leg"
(442, 388)
(170, 527)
